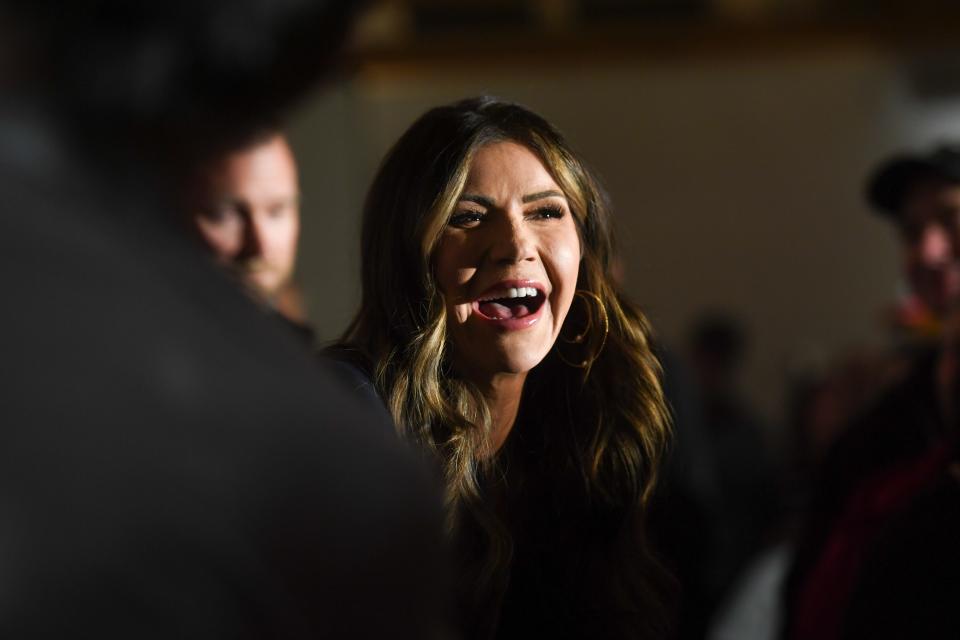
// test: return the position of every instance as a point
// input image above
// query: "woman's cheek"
(566, 265)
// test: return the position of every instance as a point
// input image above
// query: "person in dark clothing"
(909, 587)
(173, 463)
(887, 492)
(681, 521)
(726, 518)
(491, 326)
(746, 504)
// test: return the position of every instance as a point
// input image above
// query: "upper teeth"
(512, 292)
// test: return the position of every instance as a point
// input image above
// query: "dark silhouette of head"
(167, 82)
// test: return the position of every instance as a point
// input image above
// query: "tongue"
(499, 311)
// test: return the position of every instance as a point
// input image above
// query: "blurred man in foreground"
(173, 464)
(879, 555)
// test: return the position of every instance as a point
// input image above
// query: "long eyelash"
(465, 216)
(551, 211)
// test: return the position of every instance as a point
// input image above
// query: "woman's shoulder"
(353, 368)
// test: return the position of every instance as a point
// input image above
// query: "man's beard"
(261, 278)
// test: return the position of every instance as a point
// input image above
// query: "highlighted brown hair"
(608, 424)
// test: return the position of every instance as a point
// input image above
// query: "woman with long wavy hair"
(492, 328)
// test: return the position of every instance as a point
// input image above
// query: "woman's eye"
(552, 211)
(465, 219)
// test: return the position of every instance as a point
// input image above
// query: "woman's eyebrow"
(540, 195)
(532, 197)
(481, 200)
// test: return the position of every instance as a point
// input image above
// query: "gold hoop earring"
(594, 334)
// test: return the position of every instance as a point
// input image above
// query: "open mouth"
(509, 303)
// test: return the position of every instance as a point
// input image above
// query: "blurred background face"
(931, 237)
(247, 212)
(507, 263)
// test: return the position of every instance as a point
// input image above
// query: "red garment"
(822, 602)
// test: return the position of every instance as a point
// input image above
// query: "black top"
(579, 567)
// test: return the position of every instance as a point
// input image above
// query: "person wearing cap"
(878, 557)
(921, 195)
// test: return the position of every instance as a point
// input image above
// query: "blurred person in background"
(921, 196)
(746, 500)
(717, 502)
(822, 399)
(173, 463)
(877, 556)
(245, 207)
(682, 527)
(492, 328)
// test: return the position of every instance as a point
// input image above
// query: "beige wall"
(736, 185)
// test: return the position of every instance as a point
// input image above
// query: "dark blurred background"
(733, 136)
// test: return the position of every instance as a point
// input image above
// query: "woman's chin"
(514, 363)
(491, 353)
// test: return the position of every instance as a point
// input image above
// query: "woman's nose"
(512, 242)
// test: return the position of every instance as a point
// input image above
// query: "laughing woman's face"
(507, 263)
